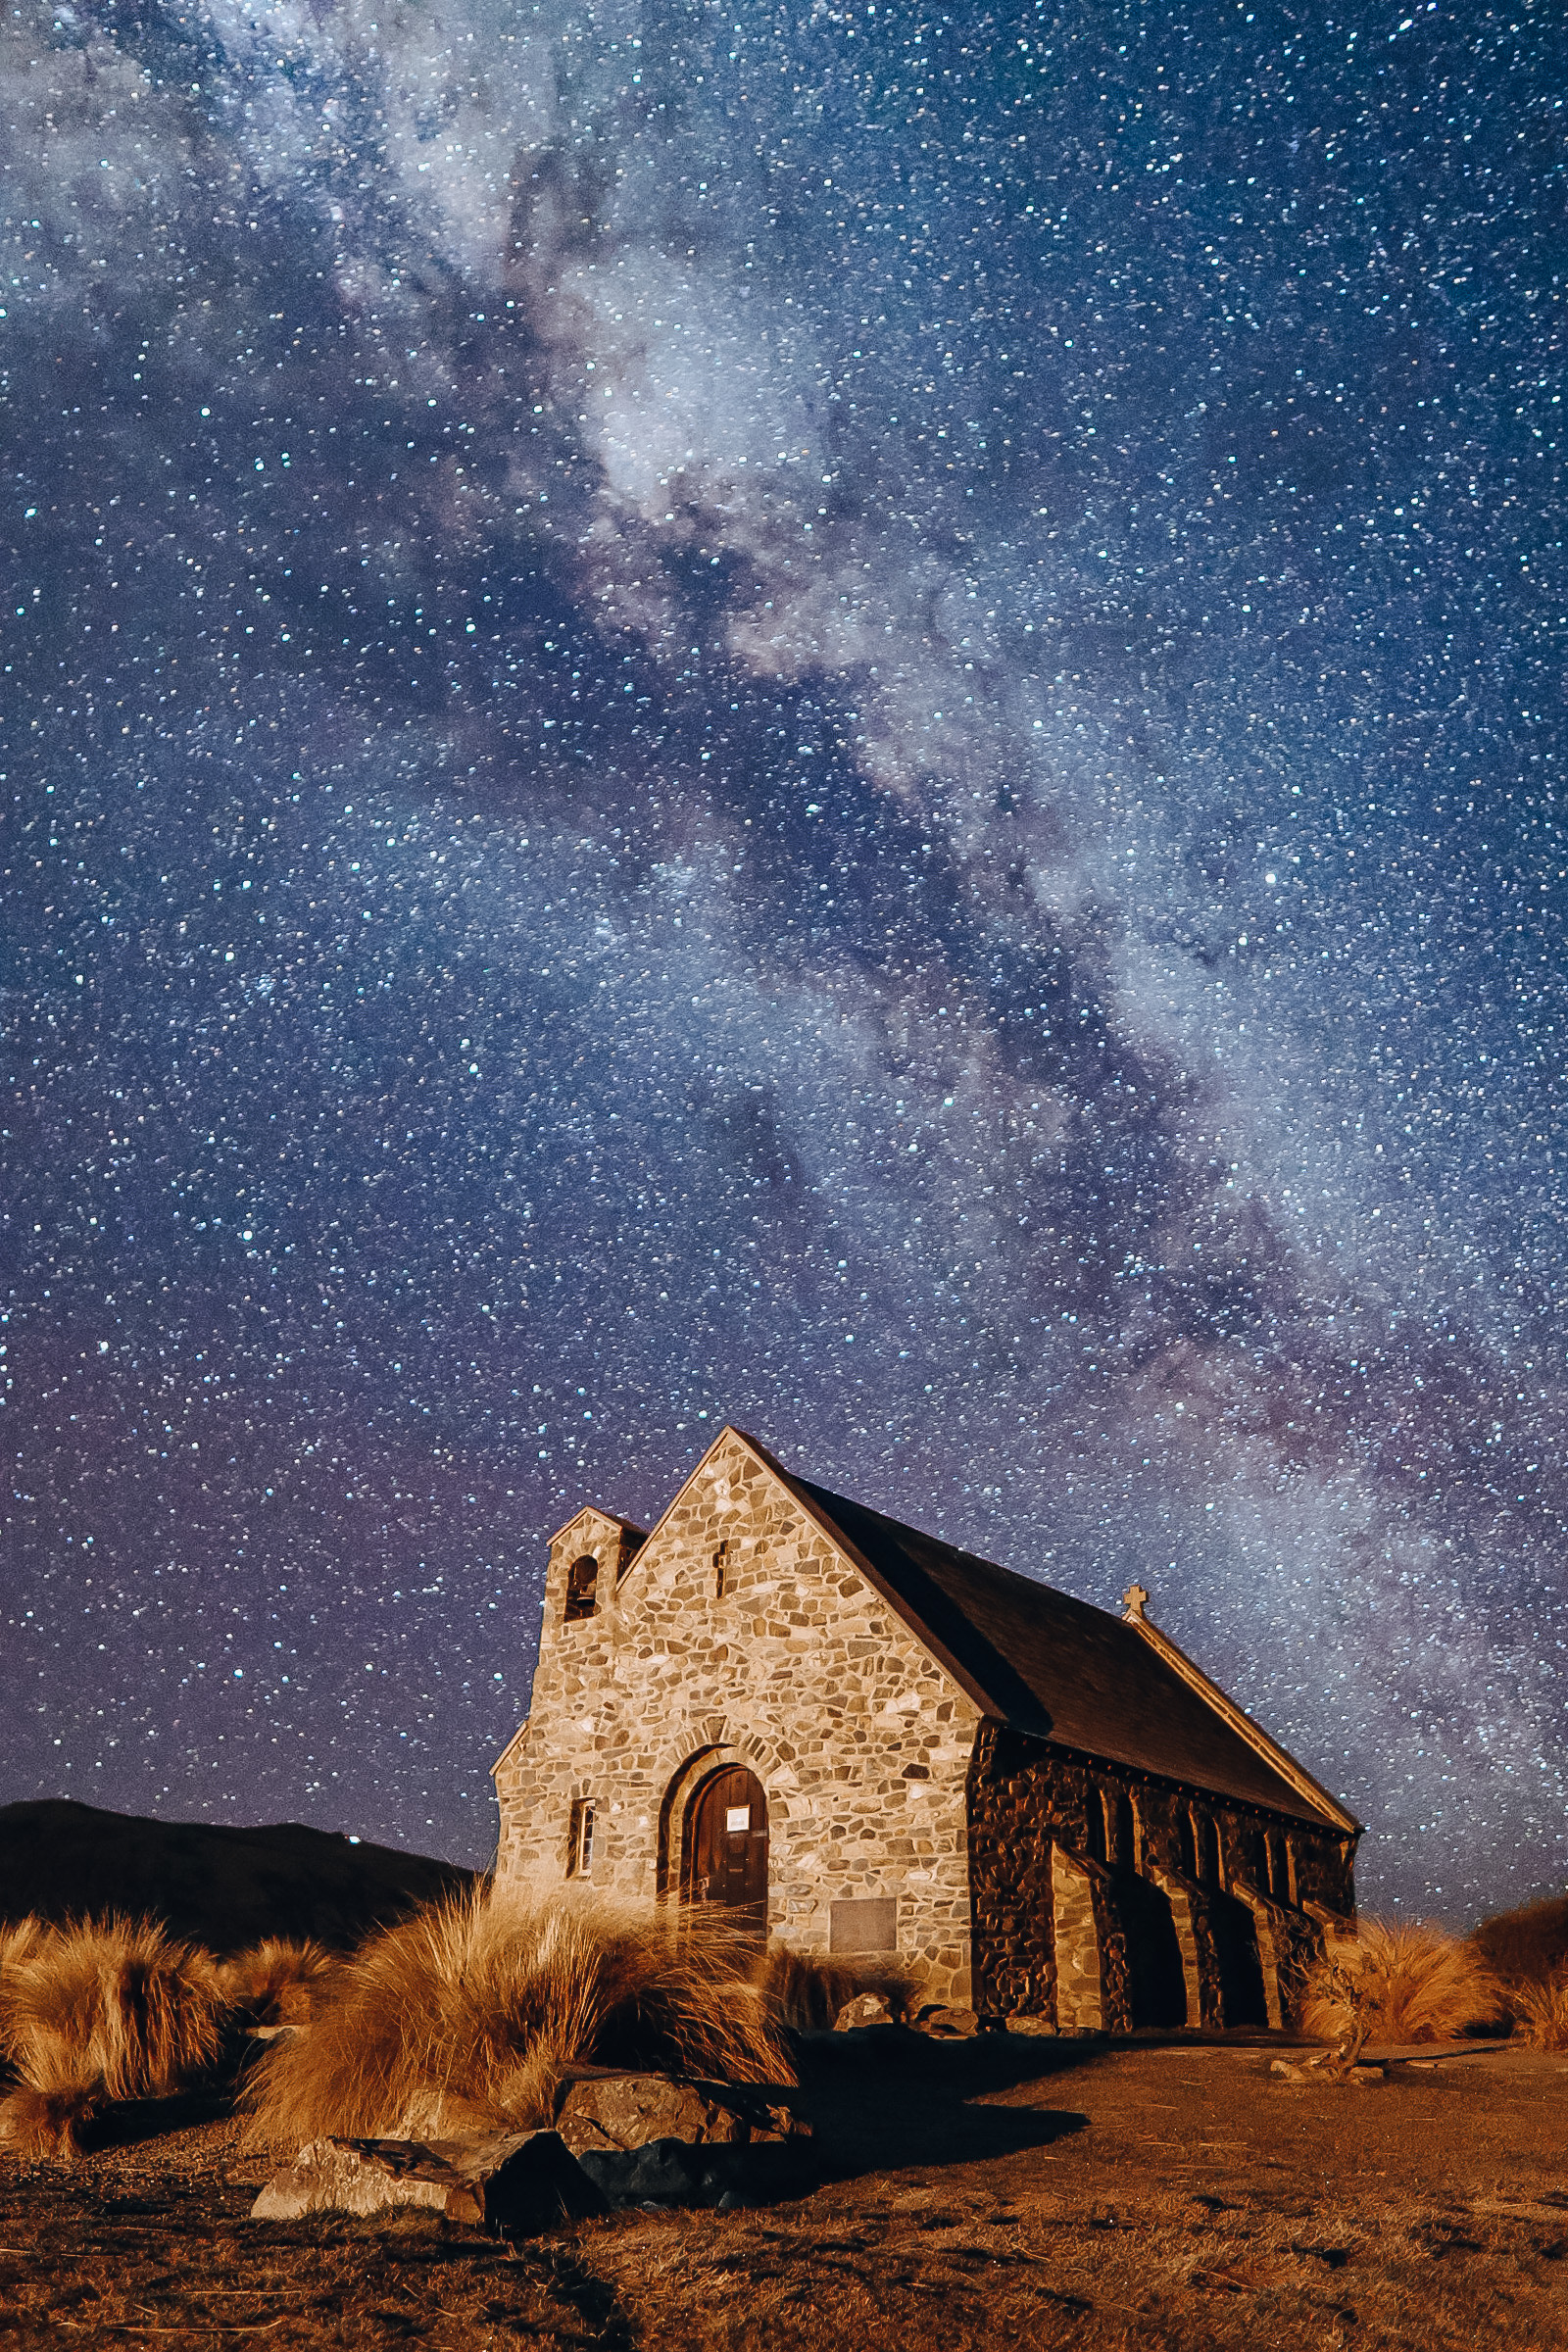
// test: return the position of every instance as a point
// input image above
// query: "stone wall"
(1057, 1842)
(797, 1669)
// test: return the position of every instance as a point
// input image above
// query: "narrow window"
(1279, 1868)
(1124, 1846)
(581, 1845)
(1187, 1844)
(721, 1570)
(582, 1583)
(1099, 1843)
(1207, 1839)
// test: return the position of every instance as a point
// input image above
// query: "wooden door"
(726, 1847)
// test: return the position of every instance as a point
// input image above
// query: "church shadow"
(884, 2100)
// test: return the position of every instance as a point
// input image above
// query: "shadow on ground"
(883, 2099)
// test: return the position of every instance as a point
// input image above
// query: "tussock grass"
(277, 1982)
(1541, 2010)
(806, 1993)
(100, 2010)
(20, 1940)
(1397, 1981)
(471, 2013)
(38, 2123)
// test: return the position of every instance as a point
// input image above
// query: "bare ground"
(988, 2193)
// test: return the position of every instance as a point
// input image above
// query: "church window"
(1099, 1841)
(723, 1570)
(1277, 1851)
(1187, 1844)
(582, 1585)
(580, 1840)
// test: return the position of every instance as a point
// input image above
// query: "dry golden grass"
(470, 2012)
(277, 1982)
(99, 2010)
(20, 1940)
(807, 1993)
(1540, 2011)
(1399, 1980)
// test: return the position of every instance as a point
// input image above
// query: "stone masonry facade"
(799, 1670)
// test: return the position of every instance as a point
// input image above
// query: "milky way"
(846, 718)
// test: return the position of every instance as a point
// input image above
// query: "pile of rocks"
(936, 2021)
(618, 2139)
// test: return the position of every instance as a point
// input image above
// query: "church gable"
(740, 1573)
(735, 1534)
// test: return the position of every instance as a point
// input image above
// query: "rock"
(644, 2139)
(610, 2113)
(948, 2024)
(866, 2009)
(1030, 2024)
(664, 2172)
(1289, 2073)
(514, 2183)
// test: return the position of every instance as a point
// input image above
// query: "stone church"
(861, 1740)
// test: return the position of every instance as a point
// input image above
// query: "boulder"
(1030, 2024)
(663, 2140)
(866, 2009)
(604, 2112)
(514, 2183)
(948, 2024)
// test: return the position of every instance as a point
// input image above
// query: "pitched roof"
(1063, 1670)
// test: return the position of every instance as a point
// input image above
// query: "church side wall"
(1029, 1803)
(800, 1671)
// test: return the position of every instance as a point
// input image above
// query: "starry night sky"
(841, 718)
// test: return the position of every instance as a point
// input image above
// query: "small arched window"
(582, 1586)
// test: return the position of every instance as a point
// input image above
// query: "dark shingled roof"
(1052, 1666)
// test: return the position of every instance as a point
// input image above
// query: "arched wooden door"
(724, 1857)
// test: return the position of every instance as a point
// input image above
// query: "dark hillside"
(221, 1887)
(1528, 1945)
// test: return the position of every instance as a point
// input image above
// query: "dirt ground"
(994, 2192)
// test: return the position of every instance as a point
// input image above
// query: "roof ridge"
(1278, 1758)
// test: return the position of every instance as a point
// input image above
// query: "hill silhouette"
(218, 1886)
(1528, 1945)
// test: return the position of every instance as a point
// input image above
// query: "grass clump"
(1540, 2010)
(807, 1992)
(1397, 1981)
(470, 2014)
(94, 2011)
(277, 1982)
